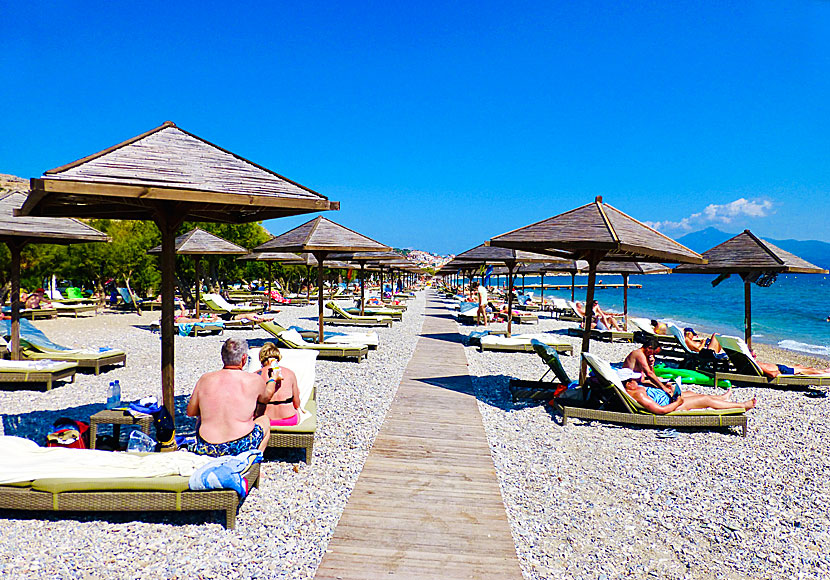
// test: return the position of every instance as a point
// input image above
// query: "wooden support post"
(167, 220)
(15, 248)
(593, 259)
(625, 302)
(269, 286)
(198, 260)
(748, 313)
(510, 267)
(320, 257)
(542, 291)
(573, 285)
(362, 289)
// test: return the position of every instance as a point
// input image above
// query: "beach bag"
(69, 433)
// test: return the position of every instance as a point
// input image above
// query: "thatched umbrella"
(269, 258)
(16, 232)
(754, 260)
(321, 237)
(197, 243)
(487, 255)
(595, 232)
(362, 259)
(625, 269)
(167, 176)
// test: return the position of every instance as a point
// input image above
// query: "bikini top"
(285, 402)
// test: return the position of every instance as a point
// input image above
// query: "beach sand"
(584, 501)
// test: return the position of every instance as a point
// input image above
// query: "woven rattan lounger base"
(52, 497)
(605, 335)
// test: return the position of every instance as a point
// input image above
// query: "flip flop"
(668, 434)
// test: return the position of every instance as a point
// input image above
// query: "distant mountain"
(813, 251)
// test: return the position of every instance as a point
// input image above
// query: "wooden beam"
(15, 249)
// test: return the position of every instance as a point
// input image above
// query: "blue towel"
(225, 472)
(467, 307)
(31, 334)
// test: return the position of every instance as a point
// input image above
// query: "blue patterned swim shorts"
(235, 447)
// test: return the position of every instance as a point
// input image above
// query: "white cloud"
(718, 214)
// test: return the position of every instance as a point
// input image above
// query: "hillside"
(13, 183)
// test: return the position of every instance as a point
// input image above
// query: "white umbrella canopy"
(595, 232)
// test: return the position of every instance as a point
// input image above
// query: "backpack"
(69, 433)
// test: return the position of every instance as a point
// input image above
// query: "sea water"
(790, 314)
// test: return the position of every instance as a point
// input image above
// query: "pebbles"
(282, 529)
(594, 500)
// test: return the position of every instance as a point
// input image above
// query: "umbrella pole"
(573, 285)
(510, 297)
(362, 294)
(168, 275)
(308, 283)
(542, 291)
(320, 257)
(523, 283)
(593, 260)
(198, 260)
(269, 286)
(748, 313)
(15, 249)
(625, 302)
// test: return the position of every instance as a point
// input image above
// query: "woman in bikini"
(283, 408)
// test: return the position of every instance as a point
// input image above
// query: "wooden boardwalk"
(427, 503)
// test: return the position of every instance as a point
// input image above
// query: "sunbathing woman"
(282, 410)
(773, 370)
(658, 401)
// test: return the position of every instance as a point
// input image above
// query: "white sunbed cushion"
(355, 338)
(292, 336)
(604, 369)
(519, 339)
(31, 365)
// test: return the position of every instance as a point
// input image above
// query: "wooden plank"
(427, 503)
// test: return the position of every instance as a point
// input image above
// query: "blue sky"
(439, 125)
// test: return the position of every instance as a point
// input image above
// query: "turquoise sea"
(790, 314)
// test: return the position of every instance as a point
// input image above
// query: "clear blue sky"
(438, 125)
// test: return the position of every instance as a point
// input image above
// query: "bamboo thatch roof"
(484, 254)
(43, 230)
(322, 235)
(194, 177)
(749, 253)
(199, 242)
(597, 227)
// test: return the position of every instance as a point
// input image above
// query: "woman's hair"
(233, 350)
(269, 350)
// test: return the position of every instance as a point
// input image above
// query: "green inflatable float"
(688, 376)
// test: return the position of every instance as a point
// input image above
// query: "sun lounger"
(541, 390)
(220, 305)
(121, 494)
(291, 339)
(73, 309)
(524, 343)
(195, 328)
(748, 371)
(370, 338)
(632, 413)
(345, 319)
(39, 313)
(42, 371)
(604, 335)
(37, 346)
(705, 362)
(302, 362)
(127, 301)
(375, 311)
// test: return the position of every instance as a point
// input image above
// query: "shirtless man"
(37, 299)
(697, 343)
(642, 361)
(225, 402)
(655, 401)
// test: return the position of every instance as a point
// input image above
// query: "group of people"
(235, 409)
(600, 320)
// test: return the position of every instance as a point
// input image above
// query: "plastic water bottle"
(111, 404)
(140, 442)
(117, 393)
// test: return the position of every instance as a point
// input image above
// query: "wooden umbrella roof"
(42, 230)
(374, 257)
(321, 235)
(199, 242)
(748, 253)
(484, 254)
(597, 226)
(167, 164)
(612, 267)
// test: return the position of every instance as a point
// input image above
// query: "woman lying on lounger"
(657, 401)
(186, 316)
(772, 370)
(282, 410)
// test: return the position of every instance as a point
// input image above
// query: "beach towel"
(225, 472)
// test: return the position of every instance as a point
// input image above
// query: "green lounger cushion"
(60, 485)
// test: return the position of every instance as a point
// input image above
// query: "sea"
(790, 314)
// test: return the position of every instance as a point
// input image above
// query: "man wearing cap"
(709, 346)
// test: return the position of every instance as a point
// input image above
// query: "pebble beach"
(587, 500)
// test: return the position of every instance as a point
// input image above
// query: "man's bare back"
(225, 401)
